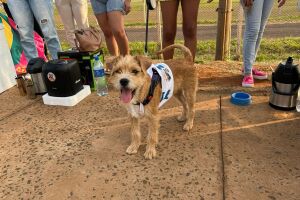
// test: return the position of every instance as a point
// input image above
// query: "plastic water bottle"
(99, 75)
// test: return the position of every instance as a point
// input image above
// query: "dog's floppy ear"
(144, 62)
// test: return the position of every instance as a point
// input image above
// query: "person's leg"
(65, 11)
(115, 14)
(43, 13)
(23, 17)
(38, 30)
(189, 27)
(99, 9)
(116, 22)
(80, 13)
(252, 27)
(169, 11)
(110, 40)
(266, 11)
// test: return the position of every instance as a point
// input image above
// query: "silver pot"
(38, 82)
(285, 88)
(285, 102)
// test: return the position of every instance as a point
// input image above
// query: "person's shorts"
(103, 6)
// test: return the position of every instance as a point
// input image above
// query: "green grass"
(271, 50)
(279, 49)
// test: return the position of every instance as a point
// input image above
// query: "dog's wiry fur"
(133, 69)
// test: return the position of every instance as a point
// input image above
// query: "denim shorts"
(103, 6)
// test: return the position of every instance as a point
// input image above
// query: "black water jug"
(285, 85)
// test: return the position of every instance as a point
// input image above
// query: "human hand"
(127, 6)
(248, 3)
(280, 3)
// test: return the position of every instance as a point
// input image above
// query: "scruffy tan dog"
(130, 77)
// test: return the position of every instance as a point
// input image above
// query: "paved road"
(209, 32)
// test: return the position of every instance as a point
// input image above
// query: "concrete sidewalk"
(79, 153)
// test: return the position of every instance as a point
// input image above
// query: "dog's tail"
(187, 53)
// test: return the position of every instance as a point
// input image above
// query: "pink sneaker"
(248, 81)
(259, 74)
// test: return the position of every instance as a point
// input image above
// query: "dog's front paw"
(188, 126)
(132, 149)
(150, 153)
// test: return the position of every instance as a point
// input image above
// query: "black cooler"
(62, 78)
(86, 62)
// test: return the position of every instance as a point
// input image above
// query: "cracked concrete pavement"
(52, 152)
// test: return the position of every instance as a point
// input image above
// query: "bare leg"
(135, 136)
(189, 18)
(116, 22)
(108, 34)
(152, 137)
(169, 11)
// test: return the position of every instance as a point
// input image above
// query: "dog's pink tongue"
(126, 95)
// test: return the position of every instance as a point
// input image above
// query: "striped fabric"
(13, 40)
(14, 44)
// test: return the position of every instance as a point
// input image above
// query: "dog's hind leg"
(190, 97)
(152, 138)
(182, 100)
(135, 136)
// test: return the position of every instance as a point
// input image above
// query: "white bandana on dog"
(167, 81)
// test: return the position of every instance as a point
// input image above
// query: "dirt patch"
(227, 74)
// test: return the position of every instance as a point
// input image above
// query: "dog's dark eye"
(118, 71)
(135, 71)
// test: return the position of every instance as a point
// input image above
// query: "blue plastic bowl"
(241, 98)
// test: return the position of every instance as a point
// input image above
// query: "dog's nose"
(124, 82)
